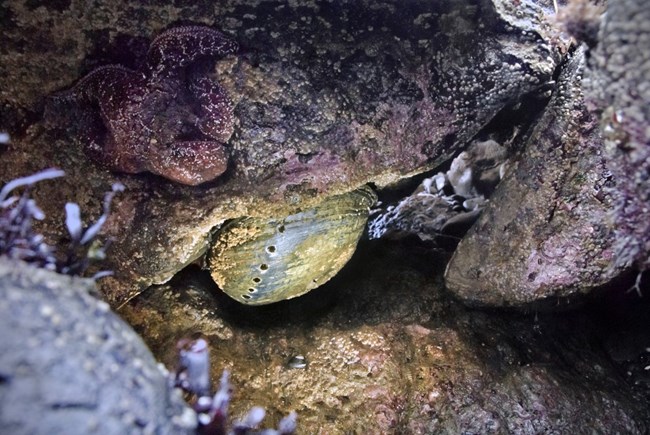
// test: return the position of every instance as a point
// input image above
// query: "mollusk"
(260, 261)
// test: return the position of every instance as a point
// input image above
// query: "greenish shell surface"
(261, 261)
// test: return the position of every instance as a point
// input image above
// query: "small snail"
(261, 261)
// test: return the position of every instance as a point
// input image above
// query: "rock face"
(547, 233)
(328, 97)
(617, 84)
(382, 348)
(70, 365)
(573, 217)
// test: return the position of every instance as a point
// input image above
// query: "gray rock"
(70, 365)
(546, 235)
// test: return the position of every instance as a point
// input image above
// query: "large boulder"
(546, 234)
(68, 364)
(383, 348)
(573, 214)
(328, 97)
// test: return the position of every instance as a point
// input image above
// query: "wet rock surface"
(328, 97)
(617, 85)
(383, 348)
(547, 232)
(70, 365)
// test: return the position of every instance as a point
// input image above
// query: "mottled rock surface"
(69, 365)
(547, 233)
(328, 96)
(617, 82)
(388, 351)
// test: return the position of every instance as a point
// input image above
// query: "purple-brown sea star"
(168, 117)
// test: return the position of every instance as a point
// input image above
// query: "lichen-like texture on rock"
(328, 96)
(618, 78)
(134, 121)
(69, 365)
(385, 350)
(546, 233)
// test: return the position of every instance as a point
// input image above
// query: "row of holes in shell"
(271, 250)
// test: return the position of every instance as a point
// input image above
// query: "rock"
(328, 97)
(546, 234)
(617, 87)
(70, 365)
(382, 348)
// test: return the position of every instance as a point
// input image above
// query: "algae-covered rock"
(617, 85)
(328, 96)
(573, 215)
(547, 232)
(383, 348)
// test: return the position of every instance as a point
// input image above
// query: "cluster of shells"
(449, 201)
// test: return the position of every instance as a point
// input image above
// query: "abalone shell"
(261, 261)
